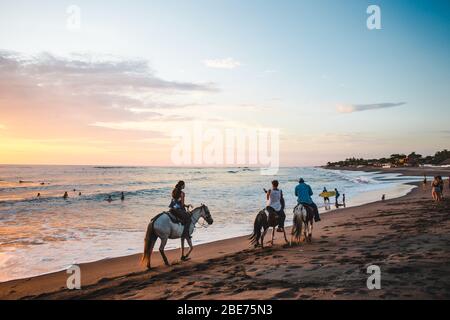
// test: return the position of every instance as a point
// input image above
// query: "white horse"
(162, 227)
(303, 219)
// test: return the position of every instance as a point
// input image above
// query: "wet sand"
(407, 237)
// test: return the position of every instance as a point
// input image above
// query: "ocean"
(49, 233)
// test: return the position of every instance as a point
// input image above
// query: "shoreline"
(110, 272)
(367, 197)
(405, 171)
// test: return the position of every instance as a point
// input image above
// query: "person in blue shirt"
(303, 192)
(337, 195)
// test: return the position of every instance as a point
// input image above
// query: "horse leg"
(305, 231)
(161, 250)
(262, 237)
(273, 235)
(182, 250)
(191, 247)
(285, 238)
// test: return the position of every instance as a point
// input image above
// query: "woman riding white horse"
(162, 226)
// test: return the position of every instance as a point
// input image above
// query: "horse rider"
(275, 204)
(303, 192)
(178, 208)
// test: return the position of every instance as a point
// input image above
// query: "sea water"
(49, 233)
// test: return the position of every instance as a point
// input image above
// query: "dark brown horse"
(262, 222)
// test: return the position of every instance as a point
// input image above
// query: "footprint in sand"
(192, 294)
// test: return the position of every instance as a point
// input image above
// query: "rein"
(201, 224)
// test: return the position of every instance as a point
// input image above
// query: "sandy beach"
(407, 237)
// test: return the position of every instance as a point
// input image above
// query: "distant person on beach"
(275, 203)
(383, 197)
(79, 193)
(66, 195)
(337, 195)
(441, 187)
(325, 199)
(303, 192)
(424, 182)
(38, 195)
(122, 197)
(109, 199)
(436, 189)
(343, 199)
(178, 207)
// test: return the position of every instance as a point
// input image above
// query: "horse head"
(205, 214)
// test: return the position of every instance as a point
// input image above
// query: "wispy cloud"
(349, 108)
(226, 63)
(48, 91)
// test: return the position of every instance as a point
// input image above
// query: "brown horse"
(264, 222)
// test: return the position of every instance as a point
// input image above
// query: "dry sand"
(408, 238)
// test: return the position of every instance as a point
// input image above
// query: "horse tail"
(260, 222)
(149, 243)
(297, 227)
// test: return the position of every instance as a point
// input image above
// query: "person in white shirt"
(275, 203)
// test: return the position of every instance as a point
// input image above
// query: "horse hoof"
(184, 258)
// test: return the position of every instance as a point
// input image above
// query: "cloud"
(349, 108)
(226, 63)
(46, 93)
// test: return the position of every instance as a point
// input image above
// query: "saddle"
(172, 217)
(272, 215)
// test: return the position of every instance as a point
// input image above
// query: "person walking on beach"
(424, 182)
(66, 195)
(122, 196)
(337, 196)
(441, 187)
(435, 189)
(178, 208)
(326, 199)
(303, 192)
(275, 203)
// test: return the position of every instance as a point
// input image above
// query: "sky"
(113, 86)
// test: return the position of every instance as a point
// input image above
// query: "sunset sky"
(113, 91)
